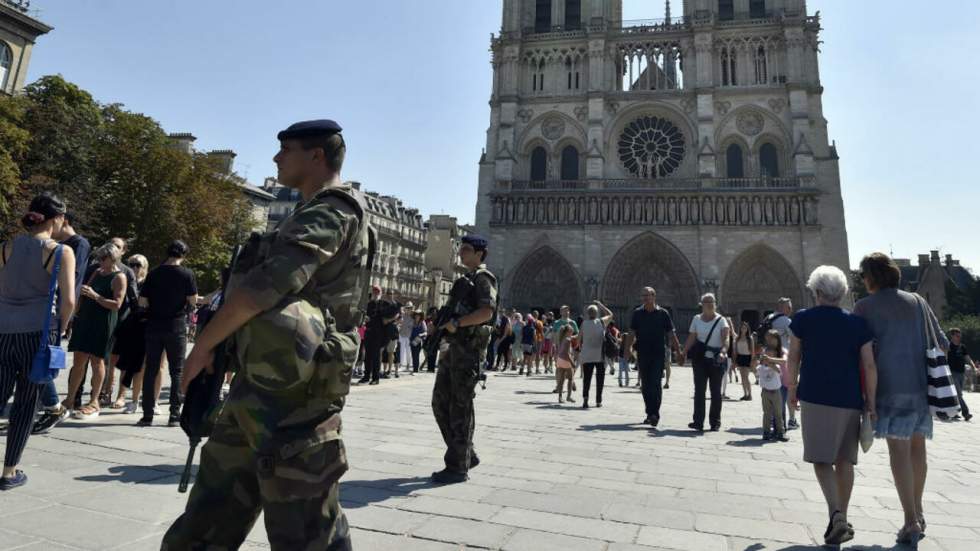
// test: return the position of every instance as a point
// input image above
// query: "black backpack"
(766, 326)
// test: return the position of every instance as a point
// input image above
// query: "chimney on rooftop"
(923, 260)
(183, 141)
(225, 157)
(934, 257)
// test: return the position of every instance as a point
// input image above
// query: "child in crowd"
(565, 362)
(625, 353)
(771, 364)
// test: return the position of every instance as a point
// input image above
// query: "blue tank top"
(24, 286)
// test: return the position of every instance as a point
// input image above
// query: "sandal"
(909, 535)
(119, 403)
(90, 411)
(922, 523)
(838, 530)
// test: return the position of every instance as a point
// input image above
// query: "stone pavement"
(553, 477)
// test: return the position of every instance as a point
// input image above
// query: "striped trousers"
(17, 352)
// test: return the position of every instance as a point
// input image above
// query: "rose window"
(651, 147)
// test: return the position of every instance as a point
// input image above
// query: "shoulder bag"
(942, 393)
(49, 359)
(700, 349)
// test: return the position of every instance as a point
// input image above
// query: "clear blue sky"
(410, 82)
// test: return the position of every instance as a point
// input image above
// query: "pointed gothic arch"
(755, 280)
(649, 260)
(545, 280)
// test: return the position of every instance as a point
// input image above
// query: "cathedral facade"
(688, 153)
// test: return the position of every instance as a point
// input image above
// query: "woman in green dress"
(92, 326)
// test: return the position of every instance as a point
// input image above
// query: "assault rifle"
(203, 398)
(460, 290)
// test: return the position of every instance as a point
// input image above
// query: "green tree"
(14, 143)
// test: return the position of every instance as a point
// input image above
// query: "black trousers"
(651, 369)
(372, 357)
(174, 344)
(17, 352)
(707, 376)
(600, 378)
(416, 349)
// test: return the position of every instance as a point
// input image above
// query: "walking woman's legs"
(75, 377)
(827, 479)
(900, 454)
(919, 470)
(98, 375)
(844, 472)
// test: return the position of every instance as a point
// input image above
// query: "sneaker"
(792, 424)
(446, 476)
(666, 386)
(781, 437)
(144, 422)
(131, 408)
(767, 436)
(585, 405)
(373, 382)
(16, 481)
(157, 410)
(48, 420)
(173, 420)
(598, 404)
(967, 416)
(363, 380)
(715, 428)
(695, 427)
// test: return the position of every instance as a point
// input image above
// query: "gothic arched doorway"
(651, 261)
(756, 279)
(544, 280)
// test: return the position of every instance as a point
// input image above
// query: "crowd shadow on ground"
(845, 547)
(361, 493)
(139, 474)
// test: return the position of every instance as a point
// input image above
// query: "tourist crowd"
(852, 376)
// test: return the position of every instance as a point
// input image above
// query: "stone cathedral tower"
(689, 153)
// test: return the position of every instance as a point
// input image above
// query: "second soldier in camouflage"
(467, 335)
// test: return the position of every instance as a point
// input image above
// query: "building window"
(542, 16)
(539, 164)
(769, 161)
(761, 66)
(569, 163)
(729, 67)
(733, 162)
(6, 58)
(757, 9)
(726, 10)
(573, 15)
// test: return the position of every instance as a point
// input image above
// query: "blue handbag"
(50, 359)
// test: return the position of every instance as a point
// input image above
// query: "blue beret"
(305, 129)
(478, 243)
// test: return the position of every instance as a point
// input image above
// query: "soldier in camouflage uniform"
(468, 335)
(293, 308)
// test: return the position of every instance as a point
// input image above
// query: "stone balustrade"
(671, 202)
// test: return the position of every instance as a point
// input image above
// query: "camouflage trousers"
(234, 483)
(452, 401)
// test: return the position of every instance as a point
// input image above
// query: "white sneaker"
(131, 408)
(157, 410)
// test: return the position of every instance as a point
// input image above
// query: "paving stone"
(464, 531)
(561, 524)
(447, 507)
(101, 531)
(530, 540)
(682, 540)
(364, 539)
(649, 516)
(13, 540)
(771, 530)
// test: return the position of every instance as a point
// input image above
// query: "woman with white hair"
(706, 346)
(829, 350)
(592, 333)
(95, 320)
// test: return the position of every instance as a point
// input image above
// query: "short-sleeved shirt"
(702, 329)
(650, 329)
(167, 288)
(561, 322)
(957, 357)
(831, 341)
(783, 324)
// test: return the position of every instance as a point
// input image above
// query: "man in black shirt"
(168, 294)
(380, 314)
(651, 326)
(959, 358)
